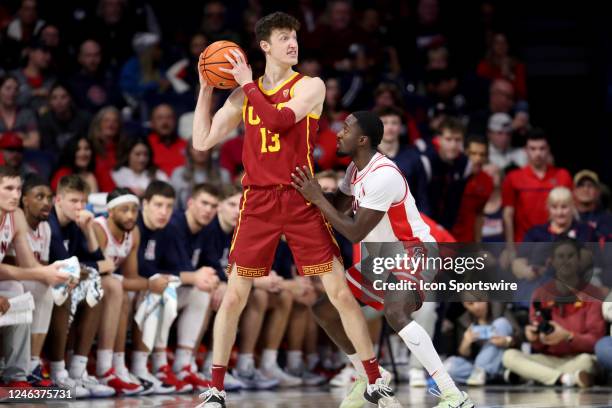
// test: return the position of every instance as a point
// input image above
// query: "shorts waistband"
(275, 187)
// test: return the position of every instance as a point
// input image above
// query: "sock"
(56, 367)
(245, 362)
(159, 360)
(78, 365)
(372, 370)
(104, 362)
(34, 362)
(354, 359)
(420, 345)
(182, 358)
(139, 362)
(119, 361)
(218, 376)
(294, 360)
(268, 358)
(312, 359)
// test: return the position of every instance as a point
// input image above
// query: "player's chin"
(291, 59)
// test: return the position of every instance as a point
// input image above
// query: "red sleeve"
(277, 120)
(61, 172)
(565, 179)
(104, 179)
(596, 328)
(483, 70)
(508, 193)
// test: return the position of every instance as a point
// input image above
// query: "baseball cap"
(500, 122)
(586, 174)
(11, 141)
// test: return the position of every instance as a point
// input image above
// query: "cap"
(11, 141)
(586, 174)
(500, 122)
(143, 41)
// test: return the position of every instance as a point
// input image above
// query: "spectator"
(200, 168)
(62, 122)
(214, 23)
(92, 85)
(34, 82)
(230, 156)
(587, 197)
(135, 168)
(441, 87)
(104, 135)
(482, 337)
(12, 154)
(333, 114)
(501, 152)
(477, 191)
(168, 148)
(564, 342)
(15, 119)
(437, 59)
(27, 24)
(183, 74)
(77, 157)
(499, 64)
(493, 220)
(388, 95)
(525, 190)
(603, 348)
(501, 100)
(61, 60)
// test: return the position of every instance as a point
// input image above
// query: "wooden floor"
(491, 396)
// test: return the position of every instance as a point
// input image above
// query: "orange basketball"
(213, 58)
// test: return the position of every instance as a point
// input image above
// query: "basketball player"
(384, 211)
(280, 114)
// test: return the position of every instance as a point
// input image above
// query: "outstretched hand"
(240, 69)
(307, 185)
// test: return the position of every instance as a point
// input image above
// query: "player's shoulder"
(314, 83)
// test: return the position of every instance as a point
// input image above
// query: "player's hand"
(307, 185)
(4, 305)
(206, 279)
(203, 82)
(54, 276)
(158, 285)
(84, 219)
(240, 69)
(217, 296)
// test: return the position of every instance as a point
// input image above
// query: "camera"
(545, 316)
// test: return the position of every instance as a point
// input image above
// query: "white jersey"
(39, 241)
(117, 251)
(381, 186)
(7, 233)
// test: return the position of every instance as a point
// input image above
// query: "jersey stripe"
(400, 224)
(244, 200)
(278, 87)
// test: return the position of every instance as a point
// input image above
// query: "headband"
(124, 199)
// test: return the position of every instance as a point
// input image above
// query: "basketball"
(213, 58)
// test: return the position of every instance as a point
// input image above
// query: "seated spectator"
(215, 23)
(499, 64)
(78, 158)
(61, 59)
(104, 134)
(62, 122)
(16, 119)
(493, 221)
(11, 146)
(388, 95)
(34, 81)
(183, 74)
(482, 337)
(333, 114)
(168, 148)
(501, 100)
(26, 25)
(587, 197)
(603, 348)
(442, 90)
(501, 152)
(92, 85)
(200, 168)
(135, 168)
(565, 323)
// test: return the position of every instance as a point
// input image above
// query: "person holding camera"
(565, 323)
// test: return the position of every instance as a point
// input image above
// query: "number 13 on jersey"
(270, 142)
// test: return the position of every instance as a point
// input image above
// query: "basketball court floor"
(489, 397)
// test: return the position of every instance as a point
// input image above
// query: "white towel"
(156, 313)
(20, 311)
(61, 292)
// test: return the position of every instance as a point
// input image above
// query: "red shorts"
(266, 213)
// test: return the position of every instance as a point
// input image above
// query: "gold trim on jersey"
(278, 87)
(309, 270)
(308, 145)
(244, 106)
(244, 200)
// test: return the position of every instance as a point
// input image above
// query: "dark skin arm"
(354, 229)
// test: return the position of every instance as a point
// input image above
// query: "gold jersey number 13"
(275, 141)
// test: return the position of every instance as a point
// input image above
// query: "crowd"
(96, 113)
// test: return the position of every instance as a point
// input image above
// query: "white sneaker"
(125, 375)
(477, 378)
(94, 387)
(62, 380)
(417, 378)
(345, 377)
(158, 386)
(284, 379)
(231, 383)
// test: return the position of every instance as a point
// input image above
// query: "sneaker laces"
(209, 393)
(382, 388)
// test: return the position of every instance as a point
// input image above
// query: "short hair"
(476, 139)
(161, 188)
(205, 188)
(326, 174)
(537, 134)
(559, 194)
(371, 126)
(72, 182)
(230, 190)
(117, 192)
(275, 21)
(452, 124)
(8, 172)
(390, 111)
(31, 182)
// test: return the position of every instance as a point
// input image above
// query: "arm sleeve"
(384, 186)
(276, 120)
(584, 342)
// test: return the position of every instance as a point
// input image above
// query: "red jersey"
(269, 158)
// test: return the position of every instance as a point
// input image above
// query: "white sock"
(160, 359)
(56, 367)
(419, 343)
(78, 365)
(354, 358)
(119, 361)
(268, 358)
(139, 362)
(182, 358)
(312, 359)
(245, 362)
(294, 360)
(34, 362)
(104, 362)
